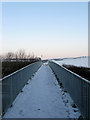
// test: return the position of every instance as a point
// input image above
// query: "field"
(76, 61)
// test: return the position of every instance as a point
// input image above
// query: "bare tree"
(32, 56)
(29, 56)
(21, 54)
(16, 55)
(9, 55)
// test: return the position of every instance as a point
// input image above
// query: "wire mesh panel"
(78, 87)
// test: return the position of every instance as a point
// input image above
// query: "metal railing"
(77, 87)
(13, 84)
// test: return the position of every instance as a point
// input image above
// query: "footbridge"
(44, 90)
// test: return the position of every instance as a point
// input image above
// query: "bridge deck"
(42, 98)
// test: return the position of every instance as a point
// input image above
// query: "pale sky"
(50, 29)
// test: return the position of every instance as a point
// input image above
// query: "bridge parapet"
(77, 87)
(12, 84)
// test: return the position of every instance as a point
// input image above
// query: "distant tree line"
(19, 56)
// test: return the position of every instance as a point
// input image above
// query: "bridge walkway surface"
(43, 97)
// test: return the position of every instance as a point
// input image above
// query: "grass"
(82, 71)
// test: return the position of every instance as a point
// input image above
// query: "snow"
(79, 61)
(43, 97)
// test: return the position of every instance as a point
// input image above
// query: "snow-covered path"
(42, 98)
